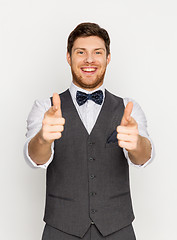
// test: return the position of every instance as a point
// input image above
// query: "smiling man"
(86, 137)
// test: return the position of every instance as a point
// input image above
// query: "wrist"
(142, 153)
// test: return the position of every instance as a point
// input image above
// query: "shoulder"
(113, 97)
(45, 103)
(126, 100)
(137, 111)
(63, 96)
(42, 104)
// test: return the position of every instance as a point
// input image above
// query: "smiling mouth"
(89, 69)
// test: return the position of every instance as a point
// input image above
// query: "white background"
(33, 36)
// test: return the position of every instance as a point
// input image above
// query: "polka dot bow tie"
(82, 97)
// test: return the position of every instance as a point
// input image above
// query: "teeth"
(88, 69)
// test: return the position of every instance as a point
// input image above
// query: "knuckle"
(63, 120)
(62, 128)
(59, 135)
(120, 143)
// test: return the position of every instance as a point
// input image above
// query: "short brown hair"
(86, 30)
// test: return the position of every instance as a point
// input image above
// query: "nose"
(89, 58)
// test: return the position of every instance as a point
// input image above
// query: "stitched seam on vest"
(63, 198)
(119, 195)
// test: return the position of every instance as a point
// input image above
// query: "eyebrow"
(86, 49)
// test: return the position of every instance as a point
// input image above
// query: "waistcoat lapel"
(69, 110)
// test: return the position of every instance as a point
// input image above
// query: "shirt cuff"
(146, 163)
(30, 162)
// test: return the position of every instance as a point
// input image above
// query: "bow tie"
(82, 97)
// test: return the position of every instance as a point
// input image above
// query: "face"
(88, 62)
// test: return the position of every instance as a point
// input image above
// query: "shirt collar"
(73, 89)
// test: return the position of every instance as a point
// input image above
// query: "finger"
(127, 130)
(55, 128)
(53, 136)
(57, 104)
(127, 138)
(127, 113)
(53, 121)
(127, 145)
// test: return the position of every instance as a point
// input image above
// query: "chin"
(88, 83)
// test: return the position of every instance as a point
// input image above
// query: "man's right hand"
(39, 147)
(53, 122)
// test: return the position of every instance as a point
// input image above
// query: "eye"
(80, 52)
(98, 52)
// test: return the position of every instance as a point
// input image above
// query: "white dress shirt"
(88, 113)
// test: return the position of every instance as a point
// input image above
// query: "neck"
(88, 88)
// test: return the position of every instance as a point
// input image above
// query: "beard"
(80, 80)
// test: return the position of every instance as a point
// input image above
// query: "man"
(86, 137)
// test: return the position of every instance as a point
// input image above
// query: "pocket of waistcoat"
(112, 141)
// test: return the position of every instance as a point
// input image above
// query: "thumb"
(57, 105)
(127, 114)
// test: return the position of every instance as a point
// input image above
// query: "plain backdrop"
(33, 37)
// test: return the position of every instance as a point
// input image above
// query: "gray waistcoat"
(88, 179)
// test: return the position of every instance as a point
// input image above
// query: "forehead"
(92, 42)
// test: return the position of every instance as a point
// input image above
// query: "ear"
(108, 58)
(68, 58)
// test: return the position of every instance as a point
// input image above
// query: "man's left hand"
(127, 132)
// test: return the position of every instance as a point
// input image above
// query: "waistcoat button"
(93, 211)
(92, 193)
(92, 176)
